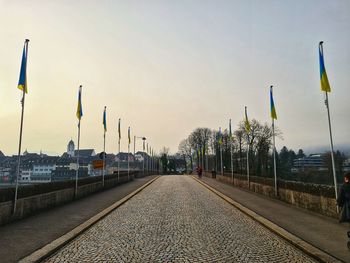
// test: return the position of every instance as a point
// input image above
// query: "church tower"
(70, 148)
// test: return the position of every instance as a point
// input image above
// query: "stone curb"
(309, 249)
(49, 249)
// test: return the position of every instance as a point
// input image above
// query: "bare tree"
(185, 150)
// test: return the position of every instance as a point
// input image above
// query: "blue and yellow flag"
(272, 106)
(22, 82)
(246, 122)
(119, 131)
(79, 107)
(129, 138)
(323, 74)
(220, 137)
(104, 120)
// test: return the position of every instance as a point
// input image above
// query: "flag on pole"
(246, 122)
(119, 131)
(79, 108)
(272, 106)
(129, 138)
(220, 137)
(230, 131)
(323, 75)
(104, 120)
(22, 82)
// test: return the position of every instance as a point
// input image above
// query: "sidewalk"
(323, 232)
(21, 238)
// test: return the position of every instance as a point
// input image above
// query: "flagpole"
(248, 161)
(231, 163)
(104, 158)
(247, 128)
(274, 147)
(77, 172)
(222, 168)
(274, 156)
(118, 158)
(21, 128)
(332, 150)
(19, 152)
(203, 164)
(330, 132)
(128, 152)
(128, 160)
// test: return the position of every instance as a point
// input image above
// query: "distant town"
(42, 168)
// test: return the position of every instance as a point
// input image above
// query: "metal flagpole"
(19, 153)
(222, 167)
(128, 160)
(119, 136)
(231, 163)
(273, 138)
(104, 146)
(144, 156)
(329, 119)
(77, 172)
(274, 156)
(231, 144)
(21, 126)
(332, 150)
(128, 152)
(118, 158)
(134, 153)
(248, 161)
(206, 159)
(203, 164)
(104, 158)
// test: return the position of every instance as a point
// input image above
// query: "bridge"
(174, 218)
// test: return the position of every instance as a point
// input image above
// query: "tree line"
(204, 147)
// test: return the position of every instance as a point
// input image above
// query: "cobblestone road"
(176, 219)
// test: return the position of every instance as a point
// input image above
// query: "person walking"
(343, 202)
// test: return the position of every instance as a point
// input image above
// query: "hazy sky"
(167, 67)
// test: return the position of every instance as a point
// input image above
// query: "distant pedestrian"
(199, 171)
(344, 200)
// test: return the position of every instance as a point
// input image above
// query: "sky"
(168, 67)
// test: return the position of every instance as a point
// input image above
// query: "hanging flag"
(129, 138)
(104, 120)
(220, 137)
(119, 131)
(323, 75)
(79, 108)
(247, 124)
(22, 82)
(272, 106)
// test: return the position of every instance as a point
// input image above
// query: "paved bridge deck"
(175, 218)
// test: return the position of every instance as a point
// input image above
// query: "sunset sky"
(167, 67)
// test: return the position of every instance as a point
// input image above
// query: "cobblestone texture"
(177, 220)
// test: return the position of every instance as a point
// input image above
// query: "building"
(85, 153)
(42, 169)
(312, 162)
(124, 157)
